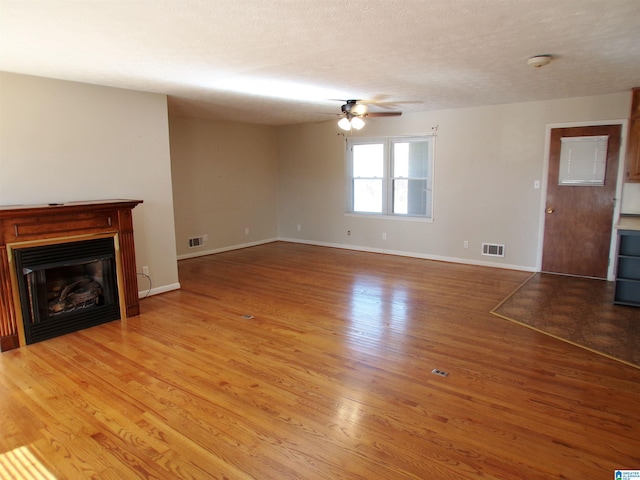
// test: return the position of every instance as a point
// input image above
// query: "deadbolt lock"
(549, 210)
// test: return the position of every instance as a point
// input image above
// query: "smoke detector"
(539, 61)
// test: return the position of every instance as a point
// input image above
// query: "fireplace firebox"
(66, 287)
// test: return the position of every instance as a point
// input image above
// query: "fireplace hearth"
(65, 267)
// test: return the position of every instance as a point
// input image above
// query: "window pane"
(411, 159)
(368, 160)
(410, 197)
(367, 195)
(400, 188)
(401, 159)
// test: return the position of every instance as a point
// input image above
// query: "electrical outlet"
(205, 237)
(466, 244)
(246, 231)
(384, 236)
(299, 227)
(145, 270)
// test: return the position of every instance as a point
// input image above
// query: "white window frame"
(388, 179)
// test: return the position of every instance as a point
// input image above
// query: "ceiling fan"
(353, 113)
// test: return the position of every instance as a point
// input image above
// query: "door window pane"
(583, 160)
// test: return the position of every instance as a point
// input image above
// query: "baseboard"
(158, 290)
(202, 253)
(423, 256)
(359, 248)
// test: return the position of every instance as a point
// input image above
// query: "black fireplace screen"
(67, 287)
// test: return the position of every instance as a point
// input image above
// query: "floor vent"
(493, 249)
(196, 242)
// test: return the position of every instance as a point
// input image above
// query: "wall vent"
(493, 249)
(196, 242)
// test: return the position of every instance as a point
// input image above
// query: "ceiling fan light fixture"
(344, 124)
(351, 123)
(357, 123)
(358, 109)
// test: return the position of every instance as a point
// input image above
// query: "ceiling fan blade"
(384, 101)
(377, 99)
(358, 108)
(383, 114)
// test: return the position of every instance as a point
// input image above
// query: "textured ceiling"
(282, 61)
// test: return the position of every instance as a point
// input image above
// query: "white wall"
(224, 183)
(486, 162)
(64, 141)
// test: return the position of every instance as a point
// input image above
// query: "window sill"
(379, 216)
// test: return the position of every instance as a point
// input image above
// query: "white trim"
(158, 290)
(359, 248)
(401, 253)
(176, 286)
(226, 249)
(395, 217)
(619, 183)
(387, 179)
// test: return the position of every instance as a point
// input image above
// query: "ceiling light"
(345, 124)
(357, 123)
(351, 123)
(358, 109)
(539, 61)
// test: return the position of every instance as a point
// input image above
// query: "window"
(390, 176)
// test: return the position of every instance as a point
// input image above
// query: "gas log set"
(80, 294)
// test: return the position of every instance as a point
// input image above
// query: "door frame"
(619, 183)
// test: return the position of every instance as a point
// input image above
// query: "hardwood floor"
(288, 361)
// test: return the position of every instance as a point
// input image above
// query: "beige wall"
(64, 141)
(279, 182)
(487, 160)
(224, 182)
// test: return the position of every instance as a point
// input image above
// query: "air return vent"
(196, 242)
(493, 249)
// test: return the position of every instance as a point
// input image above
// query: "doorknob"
(549, 210)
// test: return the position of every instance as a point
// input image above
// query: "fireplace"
(66, 287)
(65, 267)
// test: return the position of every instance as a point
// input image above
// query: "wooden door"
(579, 217)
